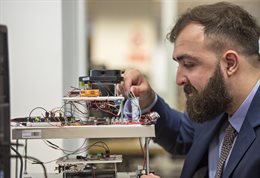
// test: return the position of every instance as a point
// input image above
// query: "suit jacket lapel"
(246, 135)
(200, 146)
(244, 139)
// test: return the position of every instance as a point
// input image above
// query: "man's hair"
(228, 26)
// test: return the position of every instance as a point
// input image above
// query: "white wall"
(164, 69)
(36, 52)
(74, 42)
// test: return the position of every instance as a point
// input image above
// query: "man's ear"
(231, 60)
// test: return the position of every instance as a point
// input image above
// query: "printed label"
(31, 134)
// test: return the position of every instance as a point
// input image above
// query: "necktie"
(229, 137)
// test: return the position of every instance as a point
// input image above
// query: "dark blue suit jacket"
(178, 135)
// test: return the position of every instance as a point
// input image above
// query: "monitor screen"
(4, 105)
(4, 74)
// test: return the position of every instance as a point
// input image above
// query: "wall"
(47, 54)
(35, 52)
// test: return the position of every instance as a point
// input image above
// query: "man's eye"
(188, 65)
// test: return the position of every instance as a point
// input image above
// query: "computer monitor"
(4, 105)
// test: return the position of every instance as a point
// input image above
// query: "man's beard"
(210, 102)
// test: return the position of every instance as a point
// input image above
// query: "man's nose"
(181, 78)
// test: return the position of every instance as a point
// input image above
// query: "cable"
(106, 111)
(21, 160)
(35, 109)
(54, 146)
(77, 151)
(73, 92)
(130, 103)
(128, 109)
(80, 150)
(105, 87)
(37, 161)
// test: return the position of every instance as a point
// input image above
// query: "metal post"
(147, 155)
(115, 170)
(16, 160)
(25, 157)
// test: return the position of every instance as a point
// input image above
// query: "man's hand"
(135, 81)
(149, 176)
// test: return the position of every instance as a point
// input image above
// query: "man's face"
(211, 101)
(199, 71)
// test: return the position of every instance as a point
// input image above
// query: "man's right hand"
(135, 81)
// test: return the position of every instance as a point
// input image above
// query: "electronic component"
(87, 166)
(38, 121)
(99, 158)
(43, 124)
(96, 110)
(90, 172)
(104, 80)
(47, 121)
(149, 118)
(89, 92)
(102, 76)
(87, 106)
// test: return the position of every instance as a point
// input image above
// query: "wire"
(77, 151)
(77, 109)
(107, 89)
(110, 107)
(80, 150)
(37, 161)
(104, 110)
(56, 147)
(72, 92)
(35, 109)
(58, 109)
(132, 102)
(27, 157)
(21, 160)
(103, 144)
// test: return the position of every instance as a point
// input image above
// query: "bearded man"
(217, 51)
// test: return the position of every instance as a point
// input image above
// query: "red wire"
(105, 110)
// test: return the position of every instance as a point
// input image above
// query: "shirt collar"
(237, 119)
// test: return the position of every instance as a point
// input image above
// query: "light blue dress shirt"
(236, 120)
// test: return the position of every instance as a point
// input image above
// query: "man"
(217, 51)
